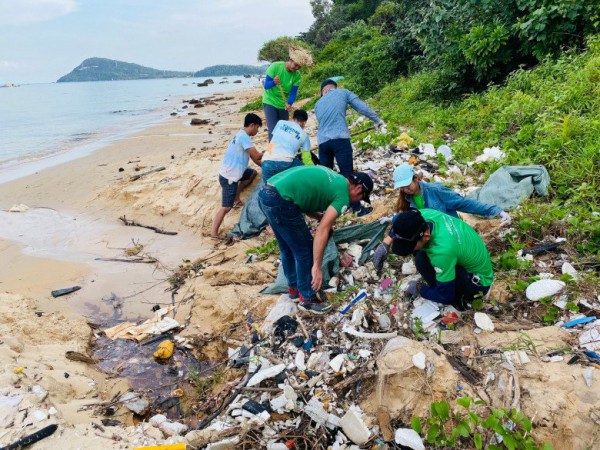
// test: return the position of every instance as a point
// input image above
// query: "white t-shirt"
(236, 158)
(288, 138)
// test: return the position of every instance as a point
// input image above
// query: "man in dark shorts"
(235, 175)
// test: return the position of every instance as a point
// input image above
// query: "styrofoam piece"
(354, 427)
(38, 415)
(264, 374)
(419, 360)
(279, 403)
(543, 288)
(445, 151)
(314, 409)
(337, 362)
(409, 438)
(409, 268)
(226, 444)
(518, 357)
(135, 403)
(590, 339)
(568, 269)
(300, 360)
(157, 419)
(173, 428)
(364, 353)
(352, 332)
(427, 149)
(290, 394)
(490, 154)
(427, 311)
(483, 321)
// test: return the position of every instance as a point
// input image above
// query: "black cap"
(407, 229)
(365, 181)
(327, 82)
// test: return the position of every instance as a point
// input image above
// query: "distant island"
(230, 70)
(103, 69)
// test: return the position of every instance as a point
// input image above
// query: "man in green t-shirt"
(281, 87)
(322, 194)
(451, 257)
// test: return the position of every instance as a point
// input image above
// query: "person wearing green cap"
(451, 257)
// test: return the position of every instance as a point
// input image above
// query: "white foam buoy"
(483, 321)
(543, 288)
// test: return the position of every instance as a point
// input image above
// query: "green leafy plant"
(266, 250)
(475, 424)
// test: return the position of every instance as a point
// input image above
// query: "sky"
(42, 40)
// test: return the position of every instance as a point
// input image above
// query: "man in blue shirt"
(333, 135)
(235, 174)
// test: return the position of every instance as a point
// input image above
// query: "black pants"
(467, 286)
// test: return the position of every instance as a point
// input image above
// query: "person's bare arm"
(255, 155)
(319, 243)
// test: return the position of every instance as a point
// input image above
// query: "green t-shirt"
(313, 188)
(419, 201)
(455, 242)
(272, 96)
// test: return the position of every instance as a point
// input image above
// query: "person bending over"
(322, 194)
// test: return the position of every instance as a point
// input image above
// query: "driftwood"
(139, 260)
(355, 378)
(140, 175)
(133, 223)
(76, 356)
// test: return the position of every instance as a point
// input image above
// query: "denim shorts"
(230, 189)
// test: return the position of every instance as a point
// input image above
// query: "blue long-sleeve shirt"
(269, 83)
(441, 198)
(330, 111)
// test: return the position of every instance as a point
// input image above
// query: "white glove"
(381, 127)
(385, 219)
(504, 217)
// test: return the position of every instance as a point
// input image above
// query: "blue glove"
(380, 256)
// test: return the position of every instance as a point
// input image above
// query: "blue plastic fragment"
(307, 344)
(592, 355)
(579, 321)
(362, 294)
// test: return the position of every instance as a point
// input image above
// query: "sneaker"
(315, 307)
(294, 294)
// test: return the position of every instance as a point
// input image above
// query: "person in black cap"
(449, 254)
(333, 136)
(322, 194)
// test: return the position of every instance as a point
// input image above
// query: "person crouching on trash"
(450, 256)
(284, 200)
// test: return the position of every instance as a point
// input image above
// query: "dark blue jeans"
(466, 286)
(293, 237)
(274, 115)
(270, 168)
(341, 150)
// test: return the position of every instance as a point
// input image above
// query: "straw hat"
(300, 56)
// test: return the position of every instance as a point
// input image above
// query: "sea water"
(46, 124)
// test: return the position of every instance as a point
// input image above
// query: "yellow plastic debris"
(404, 140)
(19, 370)
(180, 446)
(165, 350)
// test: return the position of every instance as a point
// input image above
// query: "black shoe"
(315, 307)
(363, 211)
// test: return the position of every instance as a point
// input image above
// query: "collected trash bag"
(252, 220)
(331, 261)
(509, 185)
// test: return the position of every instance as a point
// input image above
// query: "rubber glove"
(380, 256)
(504, 217)
(307, 159)
(413, 288)
(381, 127)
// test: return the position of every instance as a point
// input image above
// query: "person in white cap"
(418, 194)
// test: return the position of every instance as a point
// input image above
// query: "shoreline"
(73, 220)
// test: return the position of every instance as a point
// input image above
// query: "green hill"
(103, 69)
(230, 70)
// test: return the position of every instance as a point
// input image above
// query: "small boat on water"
(10, 85)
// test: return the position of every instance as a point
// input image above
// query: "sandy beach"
(73, 221)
